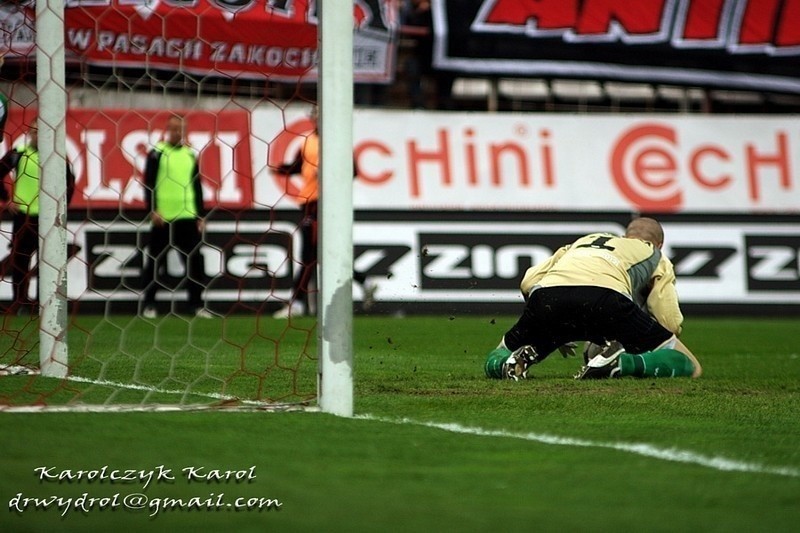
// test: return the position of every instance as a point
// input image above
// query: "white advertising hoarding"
(469, 262)
(451, 208)
(553, 162)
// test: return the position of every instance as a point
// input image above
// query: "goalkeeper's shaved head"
(647, 229)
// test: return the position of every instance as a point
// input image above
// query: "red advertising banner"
(107, 150)
(242, 38)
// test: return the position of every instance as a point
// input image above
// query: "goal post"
(335, 312)
(52, 257)
(94, 343)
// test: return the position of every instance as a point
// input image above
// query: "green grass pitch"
(434, 445)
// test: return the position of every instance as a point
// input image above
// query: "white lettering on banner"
(774, 263)
(108, 158)
(95, 188)
(149, 45)
(241, 261)
(262, 55)
(446, 261)
(229, 190)
(98, 185)
(213, 261)
(281, 36)
(457, 261)
(112, 260)
(692, 262)
(80, 39)
(419, 261)
(257, 261)
(135, 146)
(508, 257)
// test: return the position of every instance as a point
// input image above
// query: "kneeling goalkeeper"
(602, 288)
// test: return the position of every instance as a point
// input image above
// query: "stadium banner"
(234, 38)
(740, 44)
(457, 161)
(545, 162)
(108, 149)
(427, 261)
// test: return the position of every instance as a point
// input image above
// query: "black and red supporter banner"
(234, 38)
(738, 44)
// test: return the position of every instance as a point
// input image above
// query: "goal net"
(244, 98)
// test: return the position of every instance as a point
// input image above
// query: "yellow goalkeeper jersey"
(633, 267)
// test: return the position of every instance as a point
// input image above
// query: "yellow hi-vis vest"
(26, 184)
(174, 194)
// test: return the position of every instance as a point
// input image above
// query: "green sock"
(494, 362)
(663, 363)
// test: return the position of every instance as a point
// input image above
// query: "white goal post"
(335, 312)
(335, 99)
(52, 147)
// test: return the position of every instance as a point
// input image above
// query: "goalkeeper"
(601, 288)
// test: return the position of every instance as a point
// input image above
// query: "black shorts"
(556, 315)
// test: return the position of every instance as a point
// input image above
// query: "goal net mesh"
(245, 104)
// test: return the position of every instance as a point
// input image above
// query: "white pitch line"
(254, 404)
(643, 449)
(148, 388)
(646, 450)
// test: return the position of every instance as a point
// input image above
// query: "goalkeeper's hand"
(569, 349)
